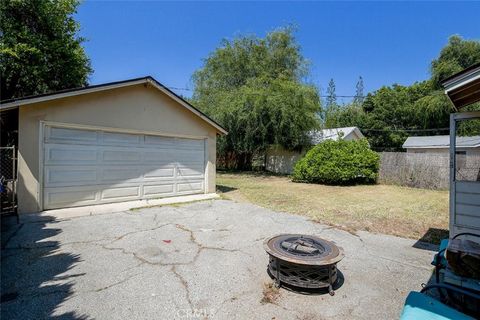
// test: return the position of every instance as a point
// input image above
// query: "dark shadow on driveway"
(431, 239)
(32, 282)
(225, 189)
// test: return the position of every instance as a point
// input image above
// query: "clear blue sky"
(385, 43)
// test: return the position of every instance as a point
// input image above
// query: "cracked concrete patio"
(202, 260)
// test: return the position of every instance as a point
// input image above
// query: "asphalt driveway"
(202, 260)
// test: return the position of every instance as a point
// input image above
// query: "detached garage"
(115, 142)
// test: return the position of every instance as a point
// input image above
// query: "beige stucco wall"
(140, 108)
(280, 160)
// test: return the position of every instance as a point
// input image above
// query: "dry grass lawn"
(401, 211)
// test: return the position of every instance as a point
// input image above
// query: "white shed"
(280, 160)
(441, 144)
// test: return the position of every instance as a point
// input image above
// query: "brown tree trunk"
(244, 161)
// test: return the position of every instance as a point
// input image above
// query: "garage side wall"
(138, 108)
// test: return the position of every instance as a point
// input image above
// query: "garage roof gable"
(15, 103)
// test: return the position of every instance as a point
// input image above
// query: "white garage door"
(84, 167)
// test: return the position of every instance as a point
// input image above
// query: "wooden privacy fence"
(426, 170)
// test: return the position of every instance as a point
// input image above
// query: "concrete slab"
(203, 260)
(66, 213)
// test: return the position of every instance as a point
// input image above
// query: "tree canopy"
(457, 55)
(254, 87)
(40, 50)
(392, 113)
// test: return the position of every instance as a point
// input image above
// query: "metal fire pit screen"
(303, 261)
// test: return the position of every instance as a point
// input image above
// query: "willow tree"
(255, 88)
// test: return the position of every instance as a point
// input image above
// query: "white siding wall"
(467, 207)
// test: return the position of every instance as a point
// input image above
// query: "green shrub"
(338, 162)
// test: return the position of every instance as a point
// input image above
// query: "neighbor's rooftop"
(441, 142)
(334, 134)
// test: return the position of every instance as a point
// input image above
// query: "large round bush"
(338, 162)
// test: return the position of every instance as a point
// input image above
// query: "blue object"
(441, 254)
(419, 306)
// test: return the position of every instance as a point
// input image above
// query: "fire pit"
(303, 261)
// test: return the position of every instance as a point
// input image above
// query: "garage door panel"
(121, 156)
(58, 154)
(184, 187)
(188, 147)
(115, 138)
(160, 157)
(187, 154)
(190, 143)
(159, 141)
(159, 190)
(152, 173)
(120, 193)
(56, 134)
(120, 174)
(101, 167)
(56, 198)
(190, 172)
(67, 176)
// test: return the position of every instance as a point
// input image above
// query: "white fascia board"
(466, 79)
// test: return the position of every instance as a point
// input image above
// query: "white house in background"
(347, 133)
(279, 160)
(441, 144)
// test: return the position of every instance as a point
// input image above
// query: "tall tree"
(457, 55)
(392, 113)
(332, 109)
(40, 50)
(359, 95)
(253, 87)
(331, 95)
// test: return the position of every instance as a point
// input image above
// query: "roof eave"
(463, 88)
(13, 104)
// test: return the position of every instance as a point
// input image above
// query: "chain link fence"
(8, 178)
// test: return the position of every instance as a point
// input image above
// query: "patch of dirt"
(270, 293)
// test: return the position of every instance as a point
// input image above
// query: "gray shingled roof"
(441, 142)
